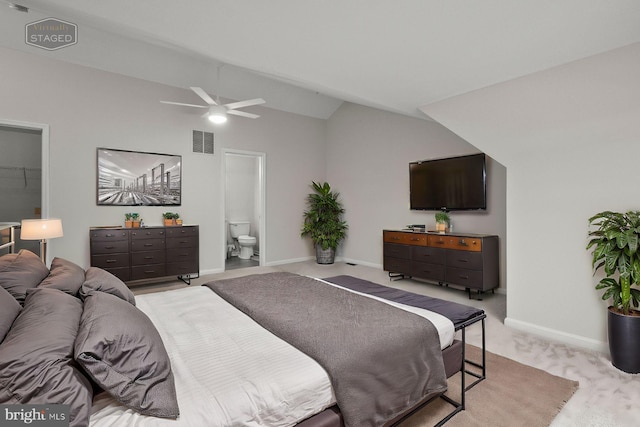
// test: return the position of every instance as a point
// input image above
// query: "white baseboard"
(555, 335)
(358, 262)
(288, 261)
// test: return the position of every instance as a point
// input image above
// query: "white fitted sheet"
(229, 371)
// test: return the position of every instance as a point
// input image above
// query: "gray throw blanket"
(381, 360)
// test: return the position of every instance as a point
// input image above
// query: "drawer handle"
(149, 271)
(463, 242)
(440, 242)
(463, 260)
(464, 277)
(109, 261)
(148, 244)
(148, 257)
(109, 247)
(109, 235)
(415, 239)
(184, 241)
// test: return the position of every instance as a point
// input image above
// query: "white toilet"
(240, 231)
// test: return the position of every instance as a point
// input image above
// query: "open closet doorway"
(244, 208)
(24, 176)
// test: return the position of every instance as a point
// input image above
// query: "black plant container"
(624, 341)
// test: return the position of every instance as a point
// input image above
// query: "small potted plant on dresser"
(442, 222)
(128, 220)
(615, 243)
(169, 219)
(323, 222)
(136, 220)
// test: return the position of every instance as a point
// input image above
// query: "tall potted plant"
(323, 222)
(615, 243)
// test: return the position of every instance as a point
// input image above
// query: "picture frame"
(136, 178)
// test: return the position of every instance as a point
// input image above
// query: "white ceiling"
(397, 55)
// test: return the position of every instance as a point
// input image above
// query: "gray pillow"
(9, 310)
(65, 276)
(97, 279)
(21, 271)
(36, 356)
(119, 347)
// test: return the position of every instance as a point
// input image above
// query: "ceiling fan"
(218, 112)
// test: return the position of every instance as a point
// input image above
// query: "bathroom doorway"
(24, 176)
(244, 207)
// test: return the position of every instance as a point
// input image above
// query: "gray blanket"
(381, 360)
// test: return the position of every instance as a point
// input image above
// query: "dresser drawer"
(148, 233)
(147, 257)
(182, 242)
(406, 238)
(108, 235)
(397, 265)
(110, 260)
(427, 254)
(397, 251)
(179, 254)
(182, 231)
(468, 278)
(464, 259)
(148, 271)
(465, 244)
(183, 267)
(147, 245)
(428, 271)
(109, 246)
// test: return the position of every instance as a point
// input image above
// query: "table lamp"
(41, 229)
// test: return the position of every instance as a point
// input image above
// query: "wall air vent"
(202, 142)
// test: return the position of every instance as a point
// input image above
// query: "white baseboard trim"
(288, 261)
(211, 271)
(555, 335)
(358, 262)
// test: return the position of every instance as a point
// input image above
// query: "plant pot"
(624, 341)
(168, 222)
(136, 224)
(128, 224)
(178, 221)
(325, 256)
(441, 227)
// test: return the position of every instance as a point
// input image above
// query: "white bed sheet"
(229, 371)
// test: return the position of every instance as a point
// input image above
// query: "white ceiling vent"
(202, 142)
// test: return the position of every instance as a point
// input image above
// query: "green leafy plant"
(170, 215)
(128, 217)
(323, 219)
(615, 251)
(442, 217)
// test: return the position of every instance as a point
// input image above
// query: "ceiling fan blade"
(204, 95)
(247, 103)
(185, 105)
(243, 114)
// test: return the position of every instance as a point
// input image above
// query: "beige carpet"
(513, 395)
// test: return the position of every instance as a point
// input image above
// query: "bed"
(189, 356)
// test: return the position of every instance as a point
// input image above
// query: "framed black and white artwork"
(134, 178)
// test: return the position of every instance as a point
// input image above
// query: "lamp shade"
(38, 229)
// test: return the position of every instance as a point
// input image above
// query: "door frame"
(262, 205)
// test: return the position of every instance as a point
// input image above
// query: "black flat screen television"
(450, 184)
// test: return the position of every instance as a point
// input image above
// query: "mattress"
(229, 371)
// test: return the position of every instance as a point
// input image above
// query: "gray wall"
(570, 139)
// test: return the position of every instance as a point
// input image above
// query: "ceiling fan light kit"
(217, 114)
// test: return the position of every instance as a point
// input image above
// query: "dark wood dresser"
(467, 260)
(134, 254)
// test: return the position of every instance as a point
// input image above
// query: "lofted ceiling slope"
(393, 55)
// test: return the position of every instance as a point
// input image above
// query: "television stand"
(469, 261)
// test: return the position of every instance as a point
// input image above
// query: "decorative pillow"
(97, 279)
(36, 356)
(122, 351)
(65, 276)
(21, 271)
(9, 310)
